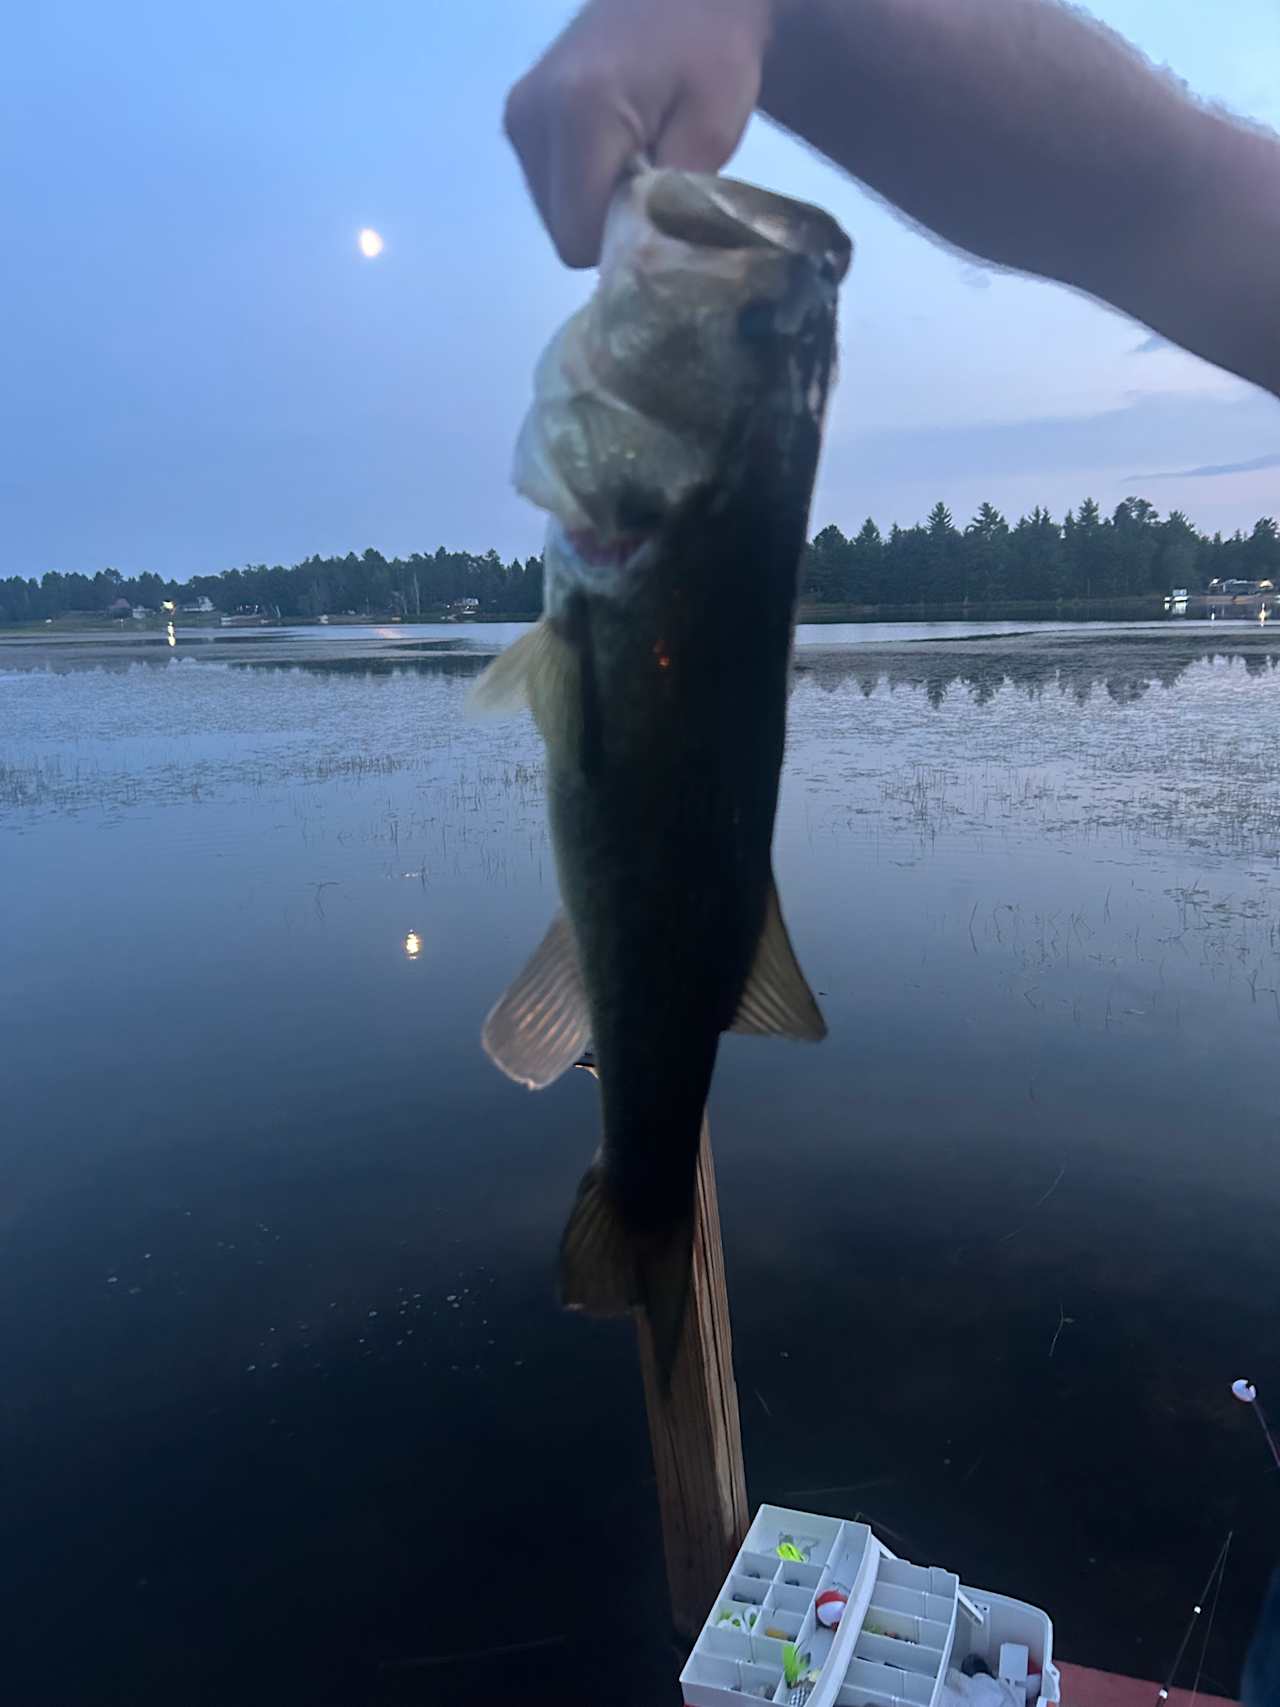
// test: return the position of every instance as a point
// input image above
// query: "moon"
(371, 244)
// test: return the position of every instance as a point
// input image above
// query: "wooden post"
(696, 1435)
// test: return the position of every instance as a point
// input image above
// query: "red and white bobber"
(829, 1606)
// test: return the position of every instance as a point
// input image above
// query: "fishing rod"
(1247, 1394)
(1212, 1583)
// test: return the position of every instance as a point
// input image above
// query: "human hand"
(675, 80)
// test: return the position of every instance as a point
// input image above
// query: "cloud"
(1211, 470)
(1170, 427)
(1055, 460)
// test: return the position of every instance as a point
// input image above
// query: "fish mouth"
(602, 551)
(596, 559)
(724, 213)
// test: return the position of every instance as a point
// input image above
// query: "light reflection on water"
(996, 1249)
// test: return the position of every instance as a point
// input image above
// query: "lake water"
(290, 1414)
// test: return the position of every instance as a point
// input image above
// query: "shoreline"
(88, 625)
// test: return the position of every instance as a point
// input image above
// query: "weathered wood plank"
(696, 1435)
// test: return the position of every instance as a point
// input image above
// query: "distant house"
(140, 613)
(119, 607)
(1239, 589)
(248, 616)
(462, 608)
(198, 607)
(1233, 597)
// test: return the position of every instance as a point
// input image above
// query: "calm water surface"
(289, 1413)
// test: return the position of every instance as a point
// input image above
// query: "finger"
(574, 145)
(705, 126)
(592, 145)
(524, 121)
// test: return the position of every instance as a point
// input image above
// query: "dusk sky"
(199, 368)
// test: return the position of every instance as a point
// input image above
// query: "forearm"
(1028, 135)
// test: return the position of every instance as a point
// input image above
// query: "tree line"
(1129, 554)
(366, 585)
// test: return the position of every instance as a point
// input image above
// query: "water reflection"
(1125, 667)
(1122, 663)
(413, 945)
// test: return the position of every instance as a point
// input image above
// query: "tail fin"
(606, 1270)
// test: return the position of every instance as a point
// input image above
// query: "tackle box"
(901, 1629)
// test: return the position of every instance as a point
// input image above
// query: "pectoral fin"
(777, 1002)
(540, 1026)
(539, 671)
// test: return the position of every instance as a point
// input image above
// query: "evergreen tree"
(986, 557)
(825, 576)
(941, 557)
(866, 568)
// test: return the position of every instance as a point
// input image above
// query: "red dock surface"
(1082, 1687)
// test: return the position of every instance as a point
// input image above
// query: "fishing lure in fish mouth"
(673, 439)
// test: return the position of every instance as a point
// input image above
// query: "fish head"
(709, 290)
(711, 330)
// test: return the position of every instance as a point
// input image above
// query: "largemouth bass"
(673, 437)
